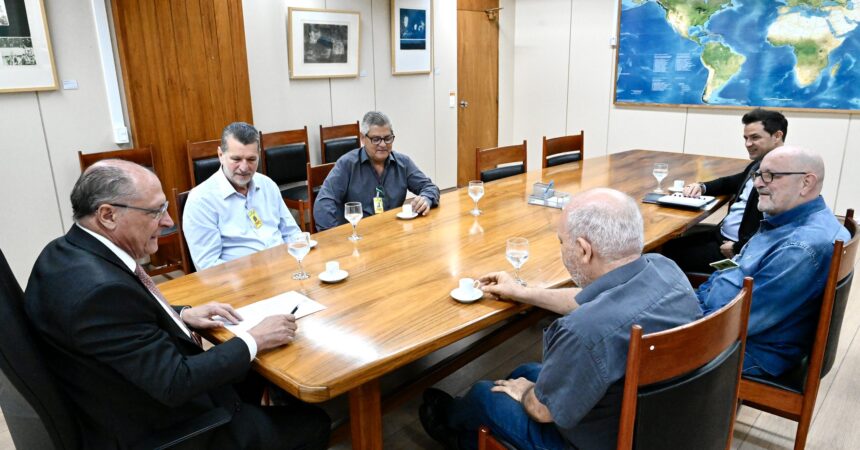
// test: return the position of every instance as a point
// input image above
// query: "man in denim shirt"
(574, 396)
(373, 175)
(788, 259)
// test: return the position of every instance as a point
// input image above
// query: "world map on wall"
(772, 53)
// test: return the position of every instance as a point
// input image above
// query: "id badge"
(255, 219)
(724, 264)
(378, 207)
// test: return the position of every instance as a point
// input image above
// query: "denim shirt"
(788, 259)
(353, 179)
(585, 351)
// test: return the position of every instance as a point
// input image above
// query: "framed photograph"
(411, 36)
(26, 59)
(323, 43)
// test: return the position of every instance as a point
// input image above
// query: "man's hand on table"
(274, 331)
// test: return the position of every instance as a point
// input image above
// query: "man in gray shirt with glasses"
(373, 175)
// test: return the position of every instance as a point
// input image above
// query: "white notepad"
(284, 303)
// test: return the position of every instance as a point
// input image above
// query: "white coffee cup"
(468, 285)
(678, 185)
(332, 267)
(407, 209)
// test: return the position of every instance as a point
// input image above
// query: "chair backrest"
(487, 161)
(338, 140)
(202, 160)
(316, 177)
(681, 385)
(36, 411)
(284, 155)
(567, 148)
(139, 155)
(835, 299)
(179, 199)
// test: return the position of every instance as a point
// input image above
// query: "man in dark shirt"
(373, 175)
(574, 396)
(763, 131)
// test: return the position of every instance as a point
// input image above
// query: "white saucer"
(313, 243)
(327, 277)
(400, 215)
(472, 297)
(672, 189)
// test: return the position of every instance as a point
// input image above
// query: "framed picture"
(411, 36)
(26, 59)
(323, 43)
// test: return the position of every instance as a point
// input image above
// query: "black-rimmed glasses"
(767, 177)
(375, 140)
(156, 214)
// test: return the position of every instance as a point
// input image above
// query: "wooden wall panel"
(185, 70)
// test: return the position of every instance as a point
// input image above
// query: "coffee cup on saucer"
(467, 291)
(406, 212)
(333, 272)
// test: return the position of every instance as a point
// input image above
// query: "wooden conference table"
(395, 306)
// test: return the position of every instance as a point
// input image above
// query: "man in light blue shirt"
(788, 259)
(237, 211)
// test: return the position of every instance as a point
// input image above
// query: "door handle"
(464, 103)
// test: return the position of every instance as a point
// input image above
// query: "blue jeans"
(504, 416)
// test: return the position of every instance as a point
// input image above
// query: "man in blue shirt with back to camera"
(373, 175)
(236, 211)
(788, 259)
(573, 398)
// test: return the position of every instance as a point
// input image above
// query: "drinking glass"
(476, 191)
(299, 246)
(517, 252)
(353, 213)
(661, 170)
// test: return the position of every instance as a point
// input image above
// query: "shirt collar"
(793, 214)
(226, 189)
(120, 253)
(611, 279)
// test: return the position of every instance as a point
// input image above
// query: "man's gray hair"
(613, 228)
(99, 184)
(375, 119)
(242, 132)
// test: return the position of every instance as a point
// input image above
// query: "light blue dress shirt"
(788, 259)
(217, 225)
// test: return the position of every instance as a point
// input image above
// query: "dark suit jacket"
(732, 185)
(127, 367)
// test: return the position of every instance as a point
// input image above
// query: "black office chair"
(38, 414)
(284, 156)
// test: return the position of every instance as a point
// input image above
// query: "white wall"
(555, 94)
(425, 126)
(40, 134)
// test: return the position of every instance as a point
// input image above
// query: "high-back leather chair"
(563, 150)
(202, 160)
(179, 199)
(487, 161)
(681, 385)
(284, 157)
(142, 155)
(316, 177)
(338, 140)
(793, 394)
(35, 409)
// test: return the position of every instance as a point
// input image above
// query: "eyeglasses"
(375, 140)
(156, 214)
(767, 177)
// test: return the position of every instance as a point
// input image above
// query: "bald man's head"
(797, 177)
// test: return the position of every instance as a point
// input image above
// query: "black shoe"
(434, 414)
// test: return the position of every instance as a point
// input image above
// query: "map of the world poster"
(772, 53)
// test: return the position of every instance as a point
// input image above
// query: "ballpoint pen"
(293, 312)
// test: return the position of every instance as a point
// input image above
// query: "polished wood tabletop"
(395, 306)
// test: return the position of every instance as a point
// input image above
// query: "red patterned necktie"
(150, 285)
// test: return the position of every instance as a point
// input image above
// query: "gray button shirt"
(353, 179)
(585, 352)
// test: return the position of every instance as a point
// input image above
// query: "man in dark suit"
(129, 362)
(763, 131)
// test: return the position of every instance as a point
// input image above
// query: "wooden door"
(477, 82)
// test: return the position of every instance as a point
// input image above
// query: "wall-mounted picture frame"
(26, 58)
(411, 36)
(323, 43)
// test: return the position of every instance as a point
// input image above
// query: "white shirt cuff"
(249, 341)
